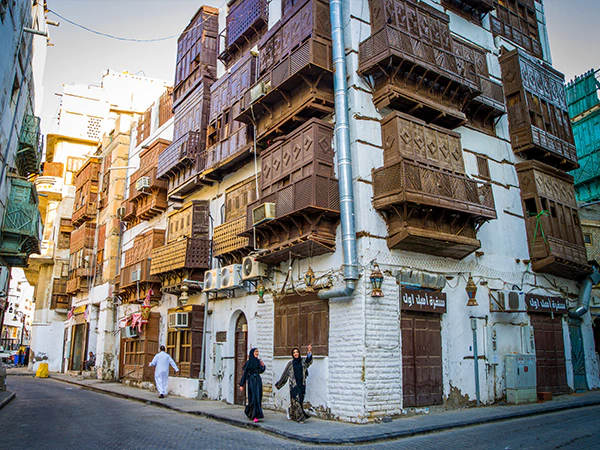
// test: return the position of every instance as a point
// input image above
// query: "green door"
(578, 356)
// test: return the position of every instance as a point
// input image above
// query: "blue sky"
(79, 56)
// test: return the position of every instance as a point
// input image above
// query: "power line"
(120, 38)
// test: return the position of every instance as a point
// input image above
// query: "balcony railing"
(408, 181)
(187, 253)
(226, 237)
(21, 231)
(29, 153)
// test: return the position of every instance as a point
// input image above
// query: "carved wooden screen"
(238, 198)
(516, 21)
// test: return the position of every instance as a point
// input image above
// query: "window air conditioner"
(260, 90)
(212, 280)
(136, 275)
(142, 183)
(131, 332)
(507, 301)
(252, 269)
(121, 211)
(231, 277)
(178, 320)
(263, 213)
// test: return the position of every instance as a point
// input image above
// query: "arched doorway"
(241, 350)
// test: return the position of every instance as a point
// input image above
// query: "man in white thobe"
(162, 361)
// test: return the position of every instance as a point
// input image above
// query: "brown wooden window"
(185, 344)
(483, 167)
(299, 321)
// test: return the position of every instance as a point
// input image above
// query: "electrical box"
(491, 343)
(521, 379)
(217, 360)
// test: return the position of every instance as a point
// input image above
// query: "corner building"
(464, 214)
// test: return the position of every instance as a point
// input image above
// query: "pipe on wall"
(344, 157)
(585, 295)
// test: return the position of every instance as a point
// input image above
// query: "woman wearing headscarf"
(296, 372)
(252, 370)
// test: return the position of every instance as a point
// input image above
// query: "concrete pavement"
(324, 432)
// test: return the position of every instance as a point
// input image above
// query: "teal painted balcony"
(29, 153)
(21, 231)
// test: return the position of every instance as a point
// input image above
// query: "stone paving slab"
(318, 431)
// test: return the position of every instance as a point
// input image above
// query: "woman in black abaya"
(252, 370)
(296, 372)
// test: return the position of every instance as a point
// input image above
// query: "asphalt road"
(53, 415)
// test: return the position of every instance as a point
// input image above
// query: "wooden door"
(550, 354)
(241, 355)
(421, 358)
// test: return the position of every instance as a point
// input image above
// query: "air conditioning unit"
(121, 211)
(263, 213)
(252, 269)
(507, 301)
(142, 183)
(231, 276)
(178, 320)
(131, 332)
(136, 275)
(212, 280)
(260, 90)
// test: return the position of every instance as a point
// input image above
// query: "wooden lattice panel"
(226, 239)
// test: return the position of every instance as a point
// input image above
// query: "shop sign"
(543, 304)
(424, 301)
(79, 309)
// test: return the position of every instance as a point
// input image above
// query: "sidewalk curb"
(7, 400)
(374, 437)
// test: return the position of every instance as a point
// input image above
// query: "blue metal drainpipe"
(585, 294)
(344, 157)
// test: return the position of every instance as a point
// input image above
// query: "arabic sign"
(543, 304)
(424, 301)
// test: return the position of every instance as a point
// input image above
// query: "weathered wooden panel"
(300, 321)
(82, 237)
(551, 217)
(143, 246)
(472, 10)
(226, 237)
(192, 253)
(165, 107)
(406, 137)
(192, 113)
(196, 52)
(137, 353)
(183, 152)
(538, 117)
(190, 221)
(238, 197)
(144, 124)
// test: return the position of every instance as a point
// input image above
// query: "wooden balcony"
(196, 53)
(431, 211)
(554, 234)
(187, 253)
(226, 240)
(148, 201)
(85, 212)
(538, 116)
(83, 237)
(60, 300)
(516, 21)
(307, 215)
(417, 77)
(29, 153)
(130, 215)
(136, 283)
(80, 280)
(21, 229)
(181, 162)
(244, 19)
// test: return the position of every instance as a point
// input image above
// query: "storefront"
(79, 338)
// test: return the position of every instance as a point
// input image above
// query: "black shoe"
(161, 396)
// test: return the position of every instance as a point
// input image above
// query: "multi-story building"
(16, 331)
(23, 40)
(387, 182)
(92, 133)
